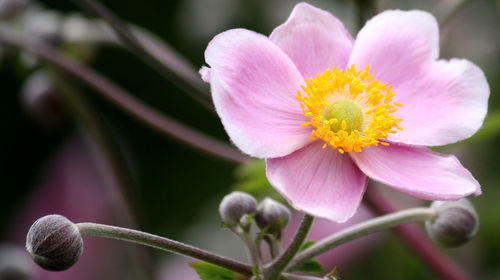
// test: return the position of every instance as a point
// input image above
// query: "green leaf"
(312, 267)
(334, 275)
(251, 178)
(306, 245)
(208, 271)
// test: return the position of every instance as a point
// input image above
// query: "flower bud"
(456, 222)
(273, 215)
(234, 206)
(40, 100)
(54, 242)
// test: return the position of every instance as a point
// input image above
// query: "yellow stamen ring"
(348, 110)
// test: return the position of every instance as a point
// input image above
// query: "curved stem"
(364, 228)
(162, 243)
(275, 269)
(121, 98)
(165, 60)
(418, 242)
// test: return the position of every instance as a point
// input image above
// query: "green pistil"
(344, 110)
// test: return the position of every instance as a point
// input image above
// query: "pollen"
(348, 110)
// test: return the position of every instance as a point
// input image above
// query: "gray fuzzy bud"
(235, 205)
(273, 215)
(54, 242)
(457, 222)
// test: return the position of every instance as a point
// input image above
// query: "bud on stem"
(54, 242)
(456, 223)
(235, 206)
(272, 215)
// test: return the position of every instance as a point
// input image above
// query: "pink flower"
(296, 99)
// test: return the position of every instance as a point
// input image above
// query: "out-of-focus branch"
(165, 60)
(124, 100)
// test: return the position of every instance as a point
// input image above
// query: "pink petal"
(314, 39)
(417, 171)
(444, 101)
(321, 182)
(254, 84)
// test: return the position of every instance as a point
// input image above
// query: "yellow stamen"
(347, 110)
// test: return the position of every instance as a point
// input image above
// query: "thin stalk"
(124, 100)
(418, 242)
(289, 276)
(252, 252)
(164, 60)
(162, 243)
(361, 229)
(364, 9)
(452, 12)
(274, 270)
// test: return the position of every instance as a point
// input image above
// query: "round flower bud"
(273, 215)
(456, 222)
(40, 100)
(234, 206)
(54, 242)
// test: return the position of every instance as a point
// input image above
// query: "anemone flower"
(327, 111)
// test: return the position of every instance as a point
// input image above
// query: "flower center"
(345, 113)
(348, 110)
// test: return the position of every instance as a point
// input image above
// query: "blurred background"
(54, 164)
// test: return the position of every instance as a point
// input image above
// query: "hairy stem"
(252, 252)
(162, 243)
(418, 242)
(164, 60)
(124, 100)
(274, 270)
(364, 228)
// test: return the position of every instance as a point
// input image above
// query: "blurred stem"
(108, 161)
(164, 60)
(162, 243)
(362, 229)
(274, 245)
(452, 12)
(274, 270)
(365, 9)
(417, 241)
(253, 254)
(124, 100)
(289, 276)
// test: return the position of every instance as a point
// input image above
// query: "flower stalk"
(367, 227)
(162, 243)
(275, 269)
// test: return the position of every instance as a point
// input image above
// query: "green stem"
(162, 243)
(164, 60)
(253, 254)
(274, 270)
(364, 228)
